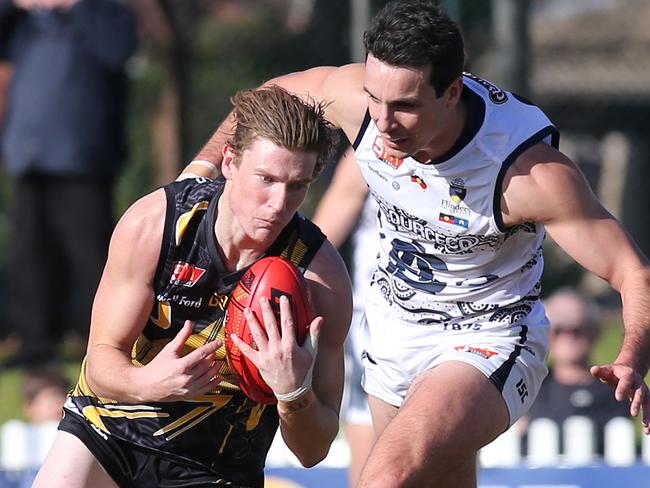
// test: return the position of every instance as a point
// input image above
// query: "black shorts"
(133, 466)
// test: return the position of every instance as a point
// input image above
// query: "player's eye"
(372, 98)
(298, 186)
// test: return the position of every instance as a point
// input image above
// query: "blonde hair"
(274, 114)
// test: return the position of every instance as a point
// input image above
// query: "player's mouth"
(396, 143)
(269, 222)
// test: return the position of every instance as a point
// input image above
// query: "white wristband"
(312, 347)
(205, 163)
(185, 176)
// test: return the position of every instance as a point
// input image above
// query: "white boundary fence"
(24, 446)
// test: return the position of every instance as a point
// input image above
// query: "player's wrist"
(311, 344)
(290, 407)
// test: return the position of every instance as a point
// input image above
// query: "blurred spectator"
(44, 391)
(346, 211)
(569, 389)
(62, 143)
(24, 444)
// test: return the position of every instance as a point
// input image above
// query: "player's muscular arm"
(124, 299)
(341, 88)
(122, 305)
(545, 186)
(310, 423)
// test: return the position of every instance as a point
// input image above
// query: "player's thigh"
(382, 413)
(70, 464)
(451, 410)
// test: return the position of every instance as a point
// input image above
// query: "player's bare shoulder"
(138, 234)
(339, 88)
(539, 184)
(344, 87)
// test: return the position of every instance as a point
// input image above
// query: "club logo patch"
(457, 190)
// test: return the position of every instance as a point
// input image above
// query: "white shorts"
(355, 401)
(512, 355)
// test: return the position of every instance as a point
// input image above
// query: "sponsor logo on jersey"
(453, 220)
(522, 390)
(457, 190)
(496, 94)
(186, 274)
(454, 208)
(192, 302)
(382, 154)
(377, 173)
(401, 221)
(479, 351)
(182, 300)
(419, 181)
(217, 300)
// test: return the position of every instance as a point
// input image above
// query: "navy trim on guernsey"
(527, 144)
(473, 123)
(362, 130)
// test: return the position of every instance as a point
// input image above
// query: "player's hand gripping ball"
(270, 277)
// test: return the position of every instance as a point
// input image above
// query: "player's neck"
(449, 134)
(236, 248)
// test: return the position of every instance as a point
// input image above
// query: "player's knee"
(389, 477)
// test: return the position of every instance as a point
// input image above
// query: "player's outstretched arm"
(341, 89)
(545, 186)
(120, 311)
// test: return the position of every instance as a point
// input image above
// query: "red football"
(271, 277)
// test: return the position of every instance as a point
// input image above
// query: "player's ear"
(228, 161)
(452, 93)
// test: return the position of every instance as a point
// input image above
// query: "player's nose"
(278, 199)
(385, 118)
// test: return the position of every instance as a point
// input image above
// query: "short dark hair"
(274, 114)
(417, 33)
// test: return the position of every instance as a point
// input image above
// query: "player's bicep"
(125, 294)
(548, 188)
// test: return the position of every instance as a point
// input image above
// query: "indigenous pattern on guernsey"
(222, 430)
(446, 257)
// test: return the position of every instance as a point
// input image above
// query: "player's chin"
(398, 151)
(266, 234)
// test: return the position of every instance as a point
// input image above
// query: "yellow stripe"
(184, 220)
(95, 414)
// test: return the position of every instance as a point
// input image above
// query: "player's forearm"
(635, 293)
(111, 374)
(308, 427)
